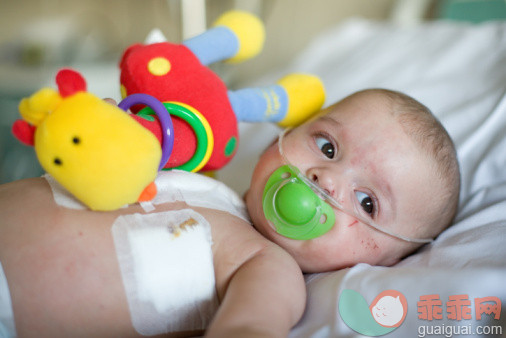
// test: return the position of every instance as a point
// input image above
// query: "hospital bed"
(458, 69)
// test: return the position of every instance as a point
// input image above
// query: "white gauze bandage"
(166, 264)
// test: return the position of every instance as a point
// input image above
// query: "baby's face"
(363, 158)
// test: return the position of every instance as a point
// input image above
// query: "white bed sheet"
(459, 71)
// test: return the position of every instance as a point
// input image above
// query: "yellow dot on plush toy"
(123, 91)
(159, 66)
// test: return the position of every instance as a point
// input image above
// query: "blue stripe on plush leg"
(266, 104)
(293, 100)
(216, 44)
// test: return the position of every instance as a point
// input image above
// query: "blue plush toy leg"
(216, 44)
(267, 104)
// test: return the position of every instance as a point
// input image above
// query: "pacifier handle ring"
(163, 116)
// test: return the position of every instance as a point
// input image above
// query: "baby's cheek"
(357, 243)
(369, 244)
(366, 248)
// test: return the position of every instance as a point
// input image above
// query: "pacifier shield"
(293, 207)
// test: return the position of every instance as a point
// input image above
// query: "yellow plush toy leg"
(306, 95)
(248, 29)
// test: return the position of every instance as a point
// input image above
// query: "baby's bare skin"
(64, 277)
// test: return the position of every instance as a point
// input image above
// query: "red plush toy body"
(205, 114)
(181, 78)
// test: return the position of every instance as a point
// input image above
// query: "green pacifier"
(294, 208)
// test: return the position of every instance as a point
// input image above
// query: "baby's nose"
(323, 179)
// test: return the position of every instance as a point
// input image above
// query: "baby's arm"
(265, 297)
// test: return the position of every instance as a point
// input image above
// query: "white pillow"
(458, 71)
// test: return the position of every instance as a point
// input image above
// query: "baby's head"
(386, 160)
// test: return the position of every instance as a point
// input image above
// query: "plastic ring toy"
(202, 129)
(165, 121)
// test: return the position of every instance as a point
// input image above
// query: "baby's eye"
(365, 201)
(326, 147)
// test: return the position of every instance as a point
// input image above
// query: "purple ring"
(163, 116)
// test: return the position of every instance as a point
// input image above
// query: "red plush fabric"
(188, 82)
(70, 82)
(24, 132)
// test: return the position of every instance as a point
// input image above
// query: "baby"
(370, 179)
(379, 154)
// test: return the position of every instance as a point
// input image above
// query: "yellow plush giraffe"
(92, 148)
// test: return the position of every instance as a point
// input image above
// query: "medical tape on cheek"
(166, 264)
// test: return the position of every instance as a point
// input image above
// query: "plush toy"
(107, 158)
(93, 148)
(205, 114)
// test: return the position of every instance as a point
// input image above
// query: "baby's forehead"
(373, 127)
(381, 152)
(375, 97)
(368, 108)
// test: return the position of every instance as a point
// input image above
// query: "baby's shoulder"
(229, 229)
(236, 243)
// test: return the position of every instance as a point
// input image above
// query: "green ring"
(197, 126)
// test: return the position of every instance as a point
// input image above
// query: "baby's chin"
(247, 199)
(253, 200)
(256, 213)
(245, 196)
